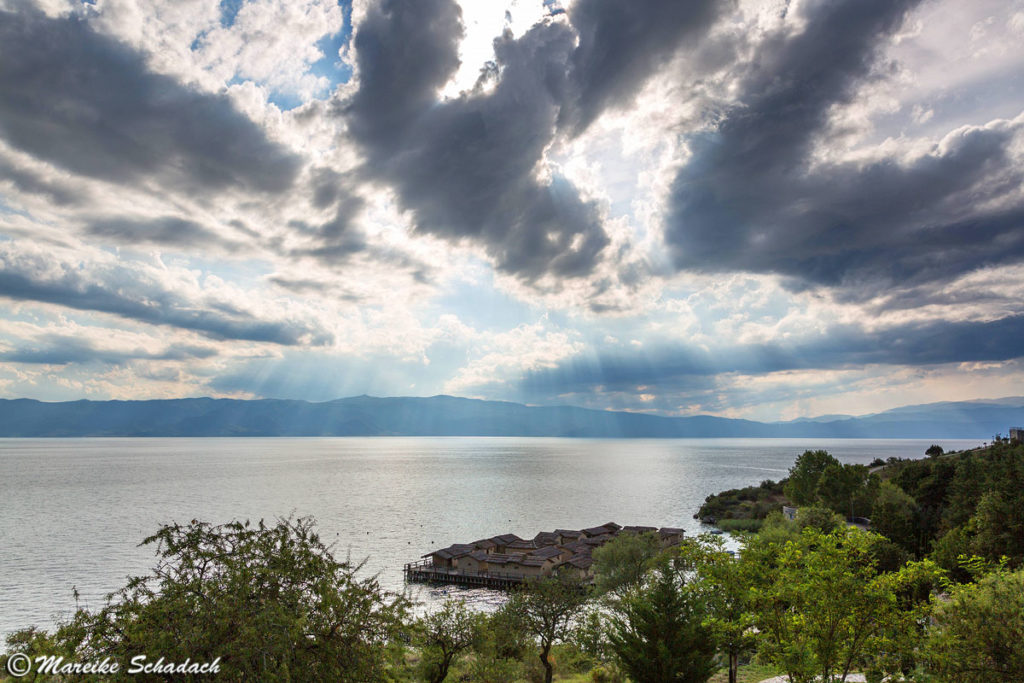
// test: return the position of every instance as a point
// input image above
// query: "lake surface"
(72, 511)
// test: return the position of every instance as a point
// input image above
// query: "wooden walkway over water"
(425, 572)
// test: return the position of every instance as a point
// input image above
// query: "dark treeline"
(937, 598)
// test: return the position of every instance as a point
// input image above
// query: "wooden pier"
(425, 572)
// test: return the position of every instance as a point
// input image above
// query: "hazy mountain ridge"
(452, 416)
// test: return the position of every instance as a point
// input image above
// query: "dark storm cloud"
(123, 293)
(466, 168)
(405, 51)
(927, 343)
(89, 104)
(25, 180)
(621, 44)
(166, 230)
(316, 287)
(326, 186)
(57, 349)
(750, 199)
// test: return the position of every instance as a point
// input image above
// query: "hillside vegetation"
(945, 506)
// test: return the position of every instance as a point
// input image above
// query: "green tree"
(934, 451)
(777, 529)
(271, 602)
(501, 645)
(805, 474)
(547, 609)
(894, 515)
(658, 632)
(445, 634)
(848, 489)
(823, 608)
(622, 562)
(724, 587)
(949, 551)
(978, 631)
(819, 518)
(591, 635)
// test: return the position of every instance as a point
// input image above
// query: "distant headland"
(453, 416)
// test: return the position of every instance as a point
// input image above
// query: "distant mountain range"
(452, 416)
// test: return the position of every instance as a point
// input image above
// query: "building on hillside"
(789, 512)
(1017, 434)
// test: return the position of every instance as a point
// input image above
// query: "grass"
(740, 524)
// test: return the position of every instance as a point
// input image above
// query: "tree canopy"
(271, 602)
(658, 631)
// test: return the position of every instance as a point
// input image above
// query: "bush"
(485, 669)
(606, 673)
(821, 519)
(740, 524)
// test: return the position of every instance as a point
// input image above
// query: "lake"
(74, 510)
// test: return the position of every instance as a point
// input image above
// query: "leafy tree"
(623, 561)
(819, 518)
(805, 475)
(503, 634)
(968, 483)
(591, 635)
(547, 609)
(998, 520)
(271, 602)
(777, 529)
(848, 489)
(981, 505)
(725, 590)
(894, 515)
(929, 483)
(949, 551)
(443, 635)
(658, 634)
(978, 631)
(502, 642)
(823, 608)
(934, 451)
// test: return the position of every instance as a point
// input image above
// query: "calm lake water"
(72, 511)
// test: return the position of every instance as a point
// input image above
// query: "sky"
(745, 208)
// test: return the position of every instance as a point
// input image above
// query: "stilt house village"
(507, 560)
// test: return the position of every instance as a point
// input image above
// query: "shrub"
(740, 524)
(271, 602)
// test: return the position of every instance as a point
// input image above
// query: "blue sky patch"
(228, 11)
